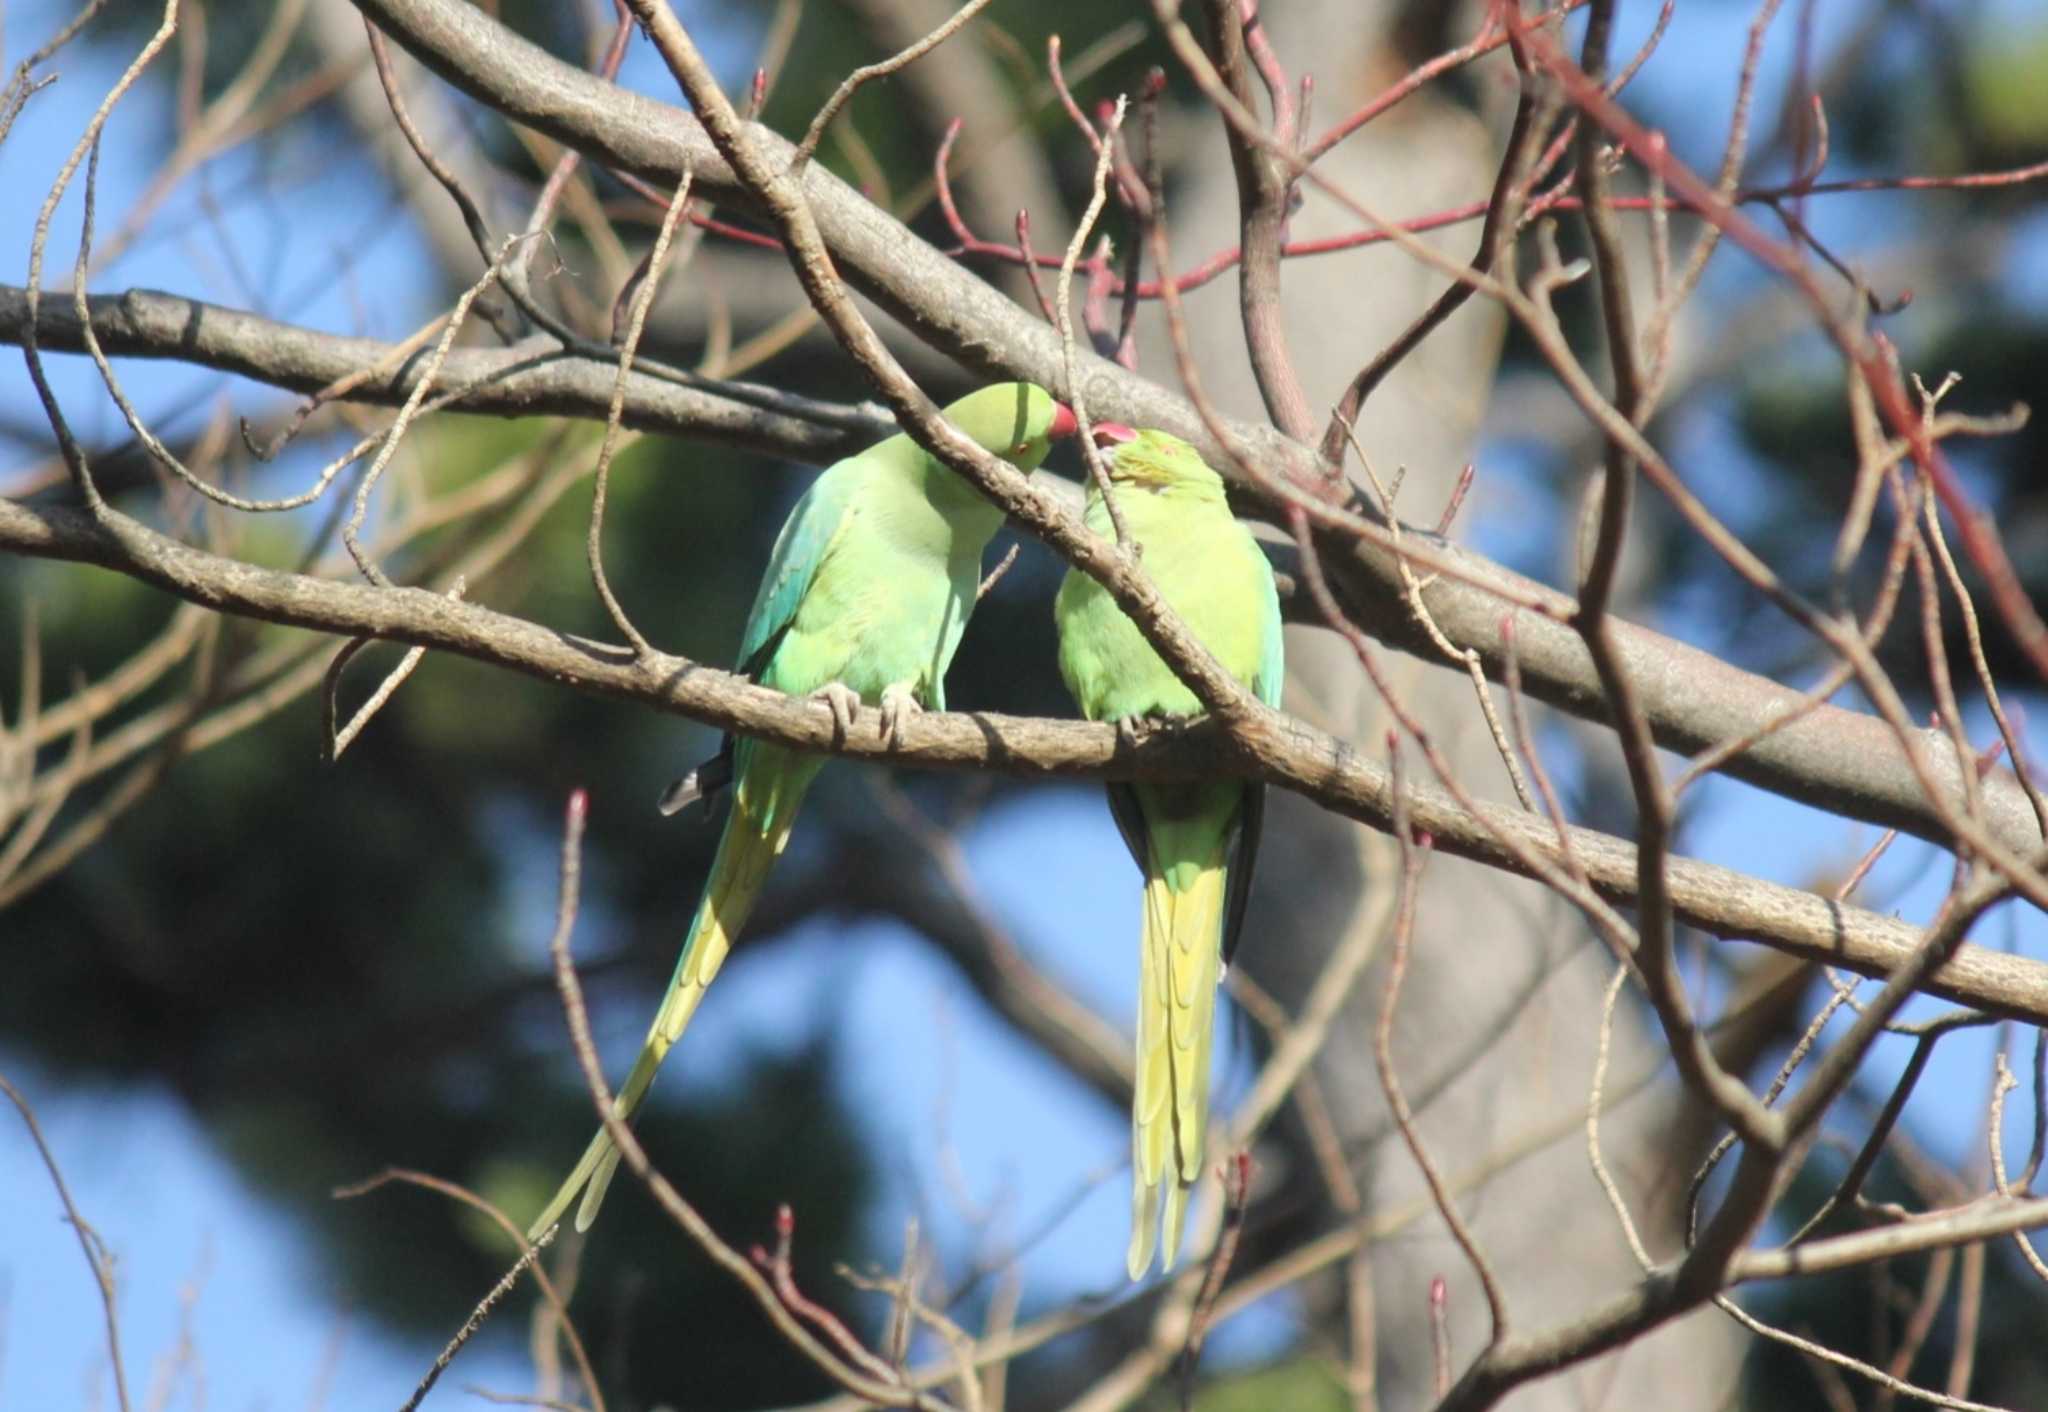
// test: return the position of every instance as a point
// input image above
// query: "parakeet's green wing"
(1251, 819)
(1243, 845)
(806, 539)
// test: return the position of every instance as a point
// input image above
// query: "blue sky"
(962, 1110)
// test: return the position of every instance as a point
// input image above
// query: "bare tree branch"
(1285, 751)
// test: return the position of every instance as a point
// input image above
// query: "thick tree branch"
(1723, 903)
(533, 378)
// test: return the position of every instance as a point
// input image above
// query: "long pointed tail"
(754, 837)
(1178, 972)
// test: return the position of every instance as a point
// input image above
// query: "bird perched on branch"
(868, 589)
(1194, 840)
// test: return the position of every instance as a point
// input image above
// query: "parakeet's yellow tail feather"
(1181, 961)
(745, 854)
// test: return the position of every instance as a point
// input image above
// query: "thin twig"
(885, 67)
(1064, 320)
(98, 1258)
(643, 299)
(1414, 857)
(634, 1156)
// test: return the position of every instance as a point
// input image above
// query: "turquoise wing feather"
(807, 536)
(1272, 673)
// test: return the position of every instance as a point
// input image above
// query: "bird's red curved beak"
(1108, 434)
(1064, 422)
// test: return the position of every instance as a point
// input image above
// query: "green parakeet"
(867, 592)
(1194, 840)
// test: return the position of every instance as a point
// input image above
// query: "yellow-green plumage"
(869, 588)
(1194, 840)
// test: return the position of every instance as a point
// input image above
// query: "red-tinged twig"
(1439, 1336)
(1967, 181)
(1457, 500)
(1495, 233)
(1066, 96)
(1237, 1190)
(1492, 34)
(726, 229)
(1864, 865)
(1030, 261)
(1415, 854)
(2039, 1146)
(1150, 181)
(1644, 50)
(1264, 162)
(1095, 299)
(1556, 200)
(1974, 527)
(942, 187)
(1062, 306)
(1808, 176)
(1259, 46)
(711, 225)
(783, 1278)
(1134, 187)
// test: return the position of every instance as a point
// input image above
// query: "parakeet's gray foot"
(1127, 731)
(898, 702)
(845, 704)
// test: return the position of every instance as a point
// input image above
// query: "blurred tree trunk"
(1496, 1031)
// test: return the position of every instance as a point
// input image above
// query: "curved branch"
(1278, 748)
(533, 378)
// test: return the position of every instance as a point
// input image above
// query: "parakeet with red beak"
(1194, 840)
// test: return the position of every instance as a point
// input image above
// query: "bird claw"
(898, 702)
(1127, 731)
(845, 704)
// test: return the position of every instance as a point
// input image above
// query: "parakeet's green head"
(1017, 421)
(1154, 461)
